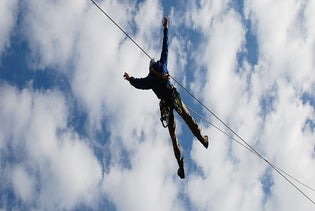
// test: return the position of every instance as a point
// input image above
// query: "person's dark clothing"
(152, 81)
(163, 90)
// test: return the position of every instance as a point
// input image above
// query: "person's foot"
(205, 141)
(181, 171)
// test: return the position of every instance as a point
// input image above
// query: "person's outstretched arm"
(164, 53)
(139, 83)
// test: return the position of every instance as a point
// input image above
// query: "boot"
(181, 171)
(204, 141)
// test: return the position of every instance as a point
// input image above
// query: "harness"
(165, 113)
(167, 107)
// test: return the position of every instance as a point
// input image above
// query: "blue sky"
(74, 135)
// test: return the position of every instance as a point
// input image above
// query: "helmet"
(152, 62)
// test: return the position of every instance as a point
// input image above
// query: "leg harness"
(167, 107)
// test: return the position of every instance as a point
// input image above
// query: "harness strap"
(160, 75)
(176, 99)
(165, 113)
(166, 107)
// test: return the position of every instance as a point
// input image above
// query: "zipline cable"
(244, 144)
(218, 128)
(121, 29)
(217, 117)
(277, 169)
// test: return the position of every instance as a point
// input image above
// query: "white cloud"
(292, 149)
(72, 175)
(62, 169)
(23, 183)
(202, 13)
(101, 56)
(149, 184)
(8, 11)
(51, 28)
(285, 38)
(146, 26)
(53, 167)
(226, 38)
(231, 175)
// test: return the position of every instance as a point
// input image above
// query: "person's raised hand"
(165, 22)
(126, 76)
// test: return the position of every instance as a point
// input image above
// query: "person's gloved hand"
(126, 76)
(165, 22)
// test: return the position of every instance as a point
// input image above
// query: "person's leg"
(176, 147)
(193, 126)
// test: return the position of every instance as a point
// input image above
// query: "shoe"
(181, 171)
(205, 141)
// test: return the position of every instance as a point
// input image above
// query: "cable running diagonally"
(277, 169)
(243, 143)
(121, 29)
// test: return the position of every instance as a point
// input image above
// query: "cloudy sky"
(74, 135)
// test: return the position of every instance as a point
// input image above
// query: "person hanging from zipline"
(158, 81)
